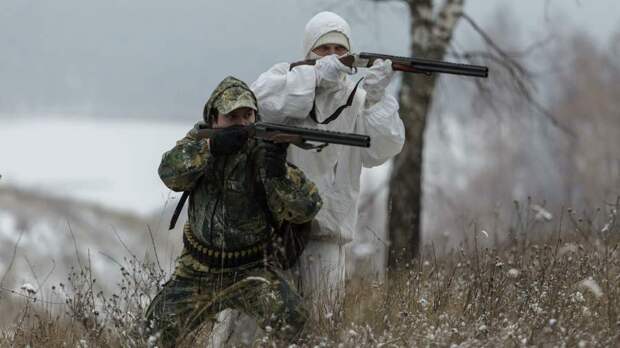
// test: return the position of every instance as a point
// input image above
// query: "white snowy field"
(81, 184)
(113, 163)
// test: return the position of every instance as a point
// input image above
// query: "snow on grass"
(29, 289)
(591, 285)
(541, 213)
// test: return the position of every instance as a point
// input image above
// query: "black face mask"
(229, 140)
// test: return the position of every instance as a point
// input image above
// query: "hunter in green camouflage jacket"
(240, 188)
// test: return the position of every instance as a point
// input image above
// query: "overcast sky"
(160, 58)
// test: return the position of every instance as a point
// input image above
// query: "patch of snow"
(578, 297)
(152, 340)
(8, 226)
(568, 248)
(42, 239)
(260, 279)
(541, 213)
(28, 289)
(513, 273)
(591, 285)
(605, 228)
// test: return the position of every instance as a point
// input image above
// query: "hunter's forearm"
(184, 164)
(292, 197)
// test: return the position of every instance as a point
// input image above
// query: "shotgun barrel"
(423, 66)
(297, 135)
(408, 64)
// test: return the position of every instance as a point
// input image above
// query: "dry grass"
(557, 289)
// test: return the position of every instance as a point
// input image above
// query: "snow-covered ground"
(110, 162)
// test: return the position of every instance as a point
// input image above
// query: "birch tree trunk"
(430, 36)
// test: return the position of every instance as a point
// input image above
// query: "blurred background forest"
(91, 95)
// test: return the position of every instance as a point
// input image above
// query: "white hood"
(323, 23)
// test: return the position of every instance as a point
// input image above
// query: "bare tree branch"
(154, 247)
(15, 247)
(75, 245)
(519, 75)
(49, 273)
(487, 39)
(34, 274)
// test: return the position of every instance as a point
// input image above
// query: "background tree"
(433, 25)
(430, 36)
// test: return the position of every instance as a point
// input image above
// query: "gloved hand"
(228, 140)
(330, 69)
(275, 159)
(376, 81)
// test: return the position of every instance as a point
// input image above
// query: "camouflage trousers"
(193, 297)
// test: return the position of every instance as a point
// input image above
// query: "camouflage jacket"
(227, 210)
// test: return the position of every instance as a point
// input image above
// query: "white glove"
(331, 69)
(376, 81)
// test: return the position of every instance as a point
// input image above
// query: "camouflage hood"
(229, 95)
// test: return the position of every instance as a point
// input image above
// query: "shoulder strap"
(177, 210)
(340, 108)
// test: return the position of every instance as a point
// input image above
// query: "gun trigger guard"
(320, 147)
(308, 146)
